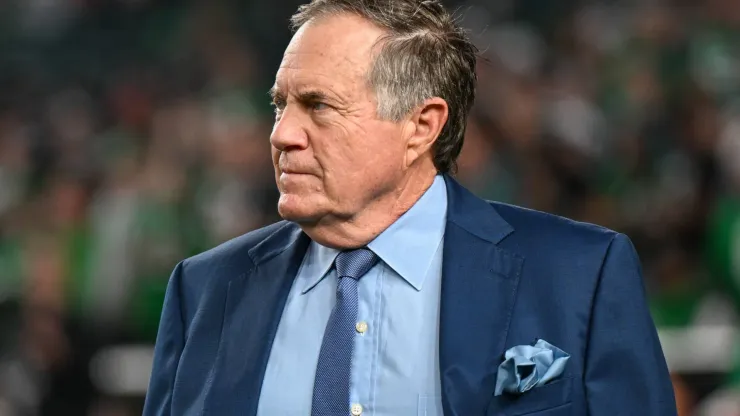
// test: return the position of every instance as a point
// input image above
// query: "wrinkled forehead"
(333, 51)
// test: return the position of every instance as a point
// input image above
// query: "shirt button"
(356, 410)
(361, 327)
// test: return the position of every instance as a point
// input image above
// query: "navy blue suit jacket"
(510, 276)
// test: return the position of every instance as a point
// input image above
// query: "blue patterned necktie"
(331, 386)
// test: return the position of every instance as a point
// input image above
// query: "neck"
(377, 216)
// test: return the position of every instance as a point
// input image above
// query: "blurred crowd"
(134, 133)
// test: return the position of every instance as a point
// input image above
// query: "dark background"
(134, 133)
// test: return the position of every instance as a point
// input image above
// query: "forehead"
(333, 52)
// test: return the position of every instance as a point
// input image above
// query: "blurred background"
(134, 133)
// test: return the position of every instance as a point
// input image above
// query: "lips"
(293, 172)
(293, 169)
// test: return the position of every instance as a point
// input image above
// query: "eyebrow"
(275, 93)
(311, 96)
(307, 96)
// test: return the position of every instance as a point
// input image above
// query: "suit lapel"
(253, 307)
(479, 282)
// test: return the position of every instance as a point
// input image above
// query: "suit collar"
(277, 243)
(479, 285)
(254, 303)
(473, 214)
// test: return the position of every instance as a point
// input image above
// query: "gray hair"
(425, 54)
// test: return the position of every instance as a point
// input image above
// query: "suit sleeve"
(625, 372)
(169, 345)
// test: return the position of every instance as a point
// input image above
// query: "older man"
(390, 289)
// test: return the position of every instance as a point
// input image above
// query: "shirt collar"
(408, 246)
(316, 265)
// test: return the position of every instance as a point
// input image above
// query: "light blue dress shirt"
(395, 366)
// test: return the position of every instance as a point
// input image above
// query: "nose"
(289, 132)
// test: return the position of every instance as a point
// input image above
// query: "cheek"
(355, 159)
(373, 167)
(275, 161)
(275, 155)
(386, 155)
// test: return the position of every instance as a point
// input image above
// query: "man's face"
(332, 154)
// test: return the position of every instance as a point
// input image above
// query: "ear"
(424, 126)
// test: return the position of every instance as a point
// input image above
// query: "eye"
(278, 104)
(319, 106)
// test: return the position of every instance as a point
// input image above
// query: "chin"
(297, 209)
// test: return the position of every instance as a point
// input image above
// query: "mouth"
(292, 172)
(293, 175)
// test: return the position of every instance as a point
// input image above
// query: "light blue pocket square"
(527, 366)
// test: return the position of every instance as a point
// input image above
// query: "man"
(390, 289)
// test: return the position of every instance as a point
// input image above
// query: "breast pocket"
(552, 396)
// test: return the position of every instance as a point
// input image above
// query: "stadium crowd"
(134, 133)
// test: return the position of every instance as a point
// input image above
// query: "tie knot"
(355, 263)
